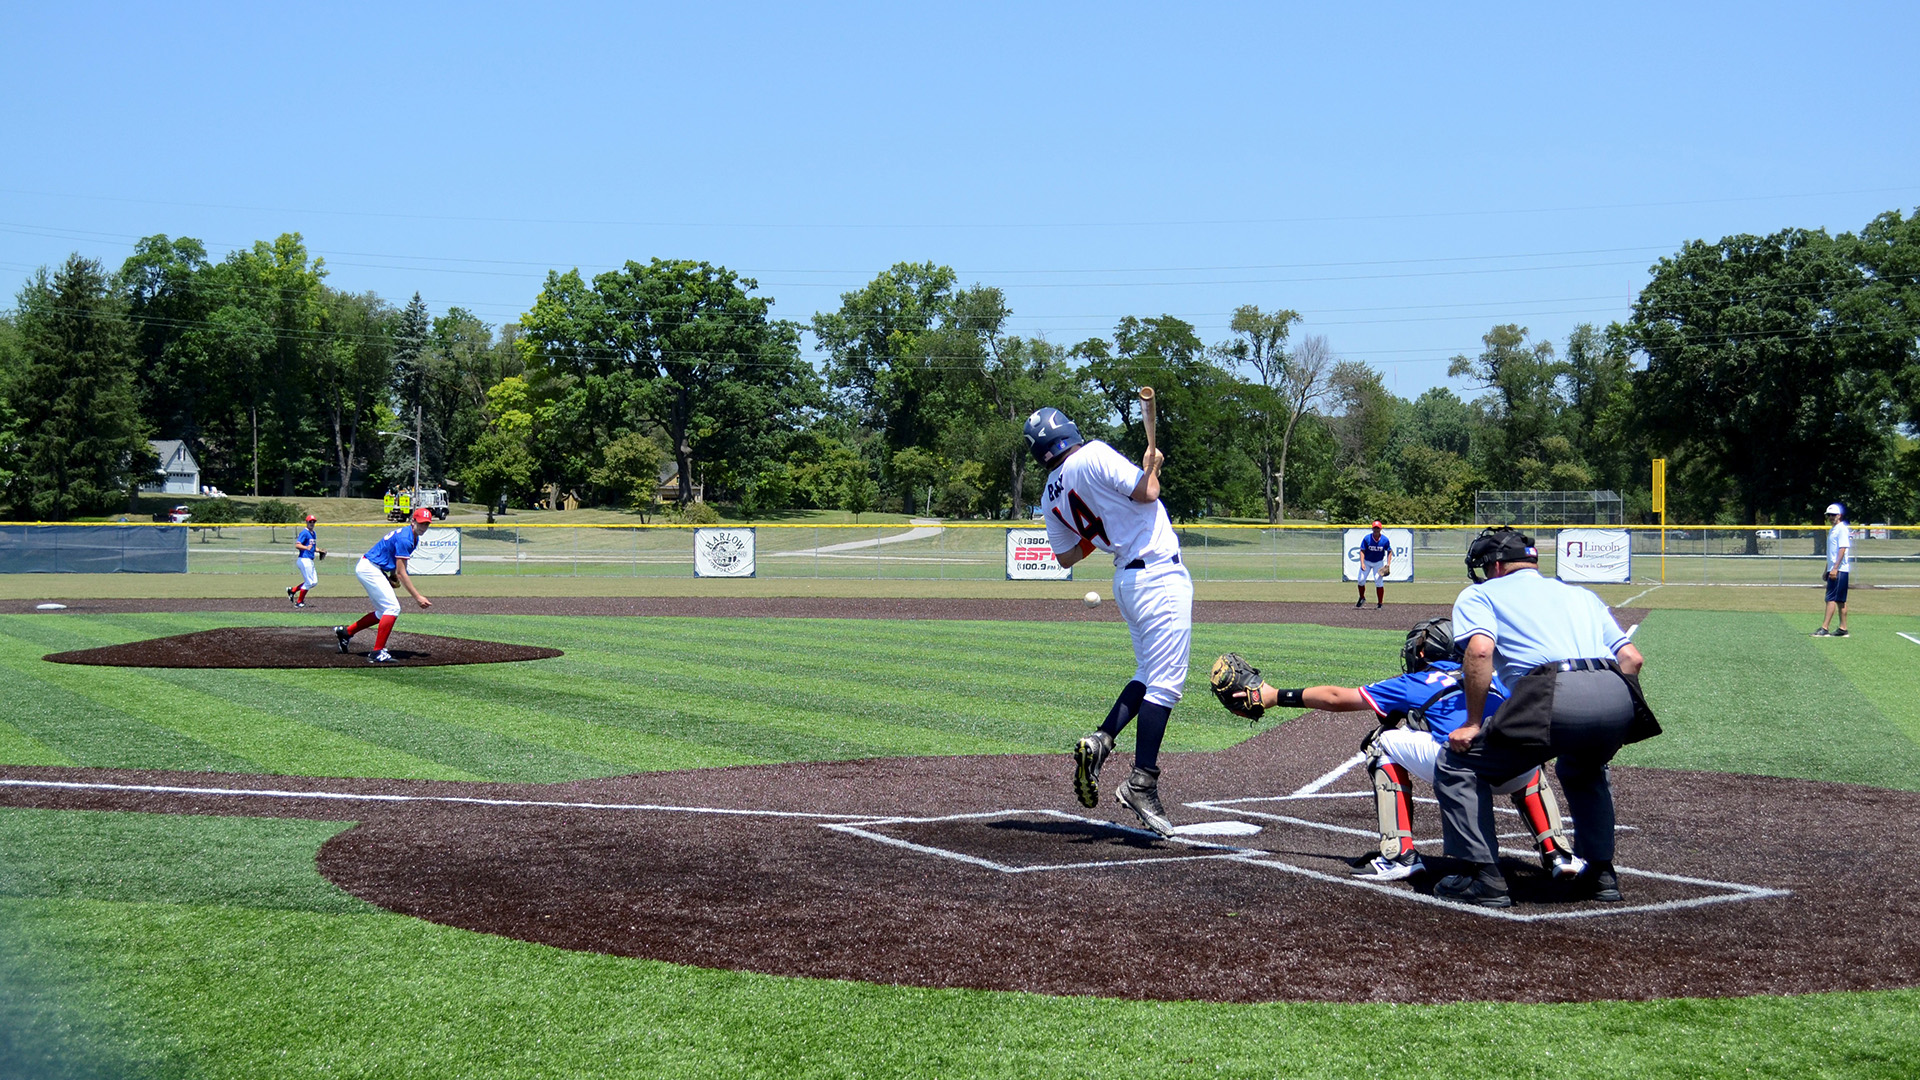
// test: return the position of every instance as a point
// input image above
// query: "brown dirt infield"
(1051, 902)
(295, 647)
(1392, 617)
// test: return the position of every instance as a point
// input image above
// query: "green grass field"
(138, 945)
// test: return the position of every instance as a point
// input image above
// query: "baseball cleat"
(340, 637)
(379, 656)
(1842, 632)
(290, 595)
(299, 603)
(1399, 868)
(1362, 602)
(1603, 884)
(1563, 867)
(1088, 755)
(1822, 632)
(1462, 889)
(1141, 794)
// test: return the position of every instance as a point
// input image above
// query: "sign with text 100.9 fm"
(1030, 557)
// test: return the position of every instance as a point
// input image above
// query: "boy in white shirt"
(1097, 499)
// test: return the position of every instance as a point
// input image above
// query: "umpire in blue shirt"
(1575, 696)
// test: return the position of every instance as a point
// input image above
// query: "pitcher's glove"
(393, 578)
(1238, 685)
(319, 554)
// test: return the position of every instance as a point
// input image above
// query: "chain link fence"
(977, 550)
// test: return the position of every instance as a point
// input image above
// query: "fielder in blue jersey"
(306, 548)
(1415, 712)
(1376, 562)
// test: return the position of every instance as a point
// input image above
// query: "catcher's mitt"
(1238, 684)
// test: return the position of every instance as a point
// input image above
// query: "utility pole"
(254, 415)
(416, 451)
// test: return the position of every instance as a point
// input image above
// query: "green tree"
(876, 367)
(80, 442)
(1524, 406)
(684, 347)
(1770, 378)
(351, 370)
(630, 470)
(500, 463)
(165, 283)
(414, 387)
(1287, 387)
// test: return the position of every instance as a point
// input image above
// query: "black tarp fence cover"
(93, 549)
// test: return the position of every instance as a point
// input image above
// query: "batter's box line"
(1732, 891)
(1238, 806)
(1222, 852)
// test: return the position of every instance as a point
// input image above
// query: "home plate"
(1217, 828)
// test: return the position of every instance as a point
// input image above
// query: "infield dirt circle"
(984, 872)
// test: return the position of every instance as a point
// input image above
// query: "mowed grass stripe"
(1752, 693)
(19, 748)
(244, 727)
(86, 732)
(497, 705)
(1883, 666)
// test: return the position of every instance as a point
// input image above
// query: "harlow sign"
(723, 553)
(1030, 557)
(1594, 556)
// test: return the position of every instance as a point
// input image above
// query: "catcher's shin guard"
(1541, 811)
(1393, 801)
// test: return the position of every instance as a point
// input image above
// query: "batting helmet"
(1429, 640)
(423, 515)
(1050, 434)
(1498, 545)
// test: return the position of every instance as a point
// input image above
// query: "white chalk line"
(1331, 775)
(864, 829)
(1638, 595)
(467, 800)
(1909, 637)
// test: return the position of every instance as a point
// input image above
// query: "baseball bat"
(1149, 413)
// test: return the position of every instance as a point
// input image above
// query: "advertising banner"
(1402, 568)
(723, 553)
(1595, 556)
(437, 553)
(1030, 557)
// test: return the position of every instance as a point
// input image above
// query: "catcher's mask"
(1428, 641)
(1050, 434)
(1502, 544)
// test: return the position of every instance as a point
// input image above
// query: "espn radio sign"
(1030, 557)
(1594, 556)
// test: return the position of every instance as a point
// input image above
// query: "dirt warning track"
(984, 872)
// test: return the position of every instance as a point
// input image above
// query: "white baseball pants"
(374, 580)
(1158, 605)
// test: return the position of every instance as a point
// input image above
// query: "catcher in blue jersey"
(1416, 711)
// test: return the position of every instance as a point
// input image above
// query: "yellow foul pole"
(1660, 507)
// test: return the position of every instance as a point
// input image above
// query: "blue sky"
(1405, 177)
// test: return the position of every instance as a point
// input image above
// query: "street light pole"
(416, 450)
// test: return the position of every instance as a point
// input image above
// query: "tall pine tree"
(81, 444)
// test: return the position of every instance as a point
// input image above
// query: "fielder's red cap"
(311, 519)
(1376, 524)
(423, 514)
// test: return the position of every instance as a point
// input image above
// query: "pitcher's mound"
(295, 647)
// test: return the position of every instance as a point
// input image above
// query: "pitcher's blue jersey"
(1405, 693)
(394, 546)
(304, 543)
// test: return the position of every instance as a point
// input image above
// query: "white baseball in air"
(1092, 599)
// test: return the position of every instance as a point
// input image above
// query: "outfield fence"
(1694, 555)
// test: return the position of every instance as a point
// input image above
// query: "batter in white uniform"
(1096, 499)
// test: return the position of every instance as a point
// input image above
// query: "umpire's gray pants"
(1591, 711)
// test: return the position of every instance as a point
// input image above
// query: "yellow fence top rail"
(1189, 525)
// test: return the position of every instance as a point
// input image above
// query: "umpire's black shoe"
(1466, 889)
(1601, 883)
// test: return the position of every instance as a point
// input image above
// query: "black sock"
(1124, 708)
(1146, 737)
